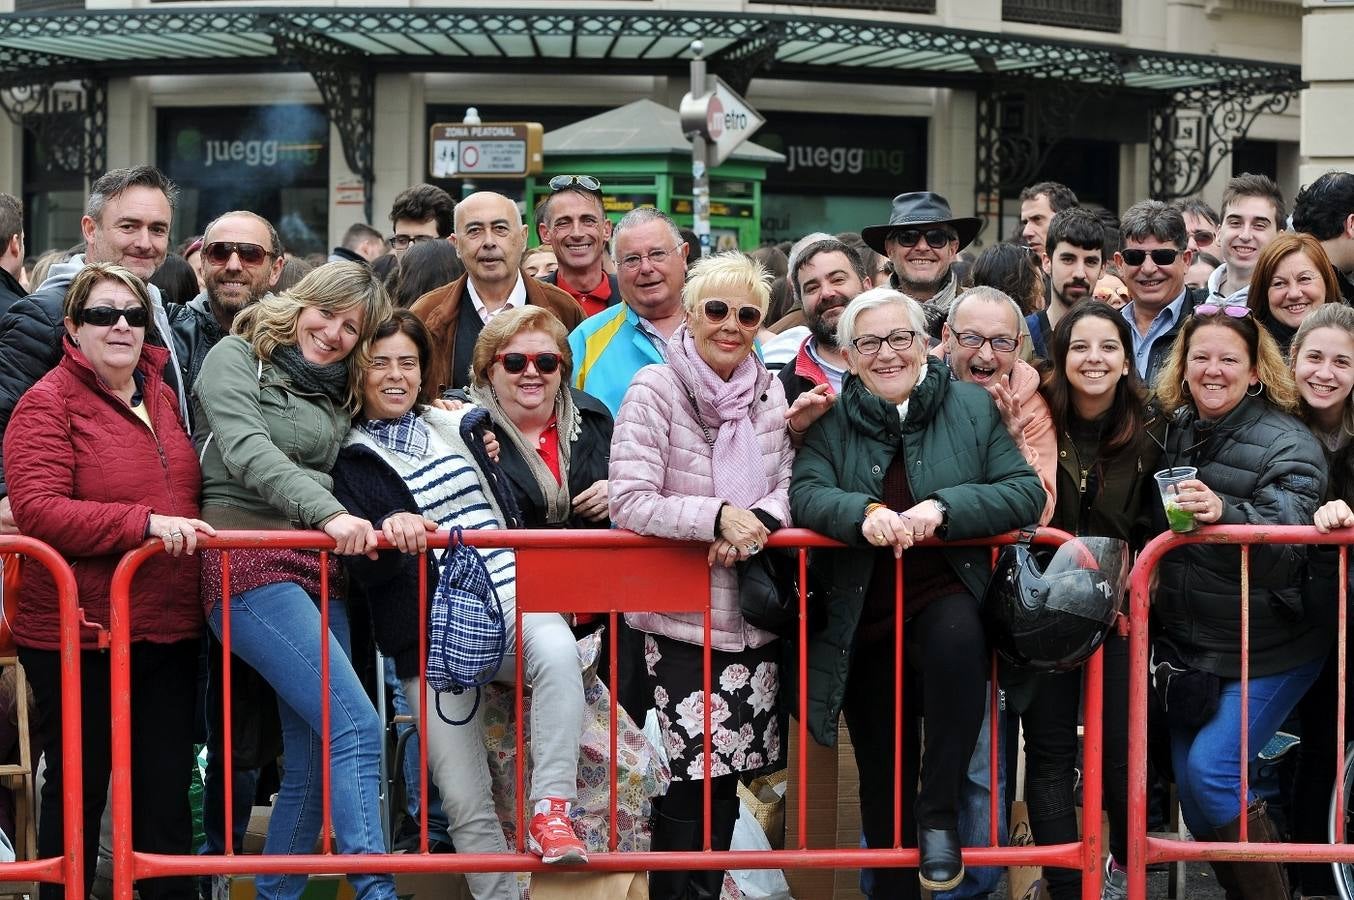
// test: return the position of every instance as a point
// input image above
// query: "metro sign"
(722, 117)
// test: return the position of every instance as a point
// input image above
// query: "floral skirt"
(743, 687)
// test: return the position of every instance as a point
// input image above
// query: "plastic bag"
(756, 884)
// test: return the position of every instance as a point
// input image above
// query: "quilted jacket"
(661, 484)
(85, 474)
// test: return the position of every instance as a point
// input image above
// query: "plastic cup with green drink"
(1168, 482)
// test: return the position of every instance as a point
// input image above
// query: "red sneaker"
(551, 836)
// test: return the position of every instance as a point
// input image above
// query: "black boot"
(707, 884)
(670, 833)
(1253, 881)
(942, 867)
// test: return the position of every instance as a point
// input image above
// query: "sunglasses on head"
(1229, 310)
(1162, 256)
(586, 182)
(218, 253)
(717, 311)
(1203, 238)
(104, 316)
(935, 237)
(516, 363)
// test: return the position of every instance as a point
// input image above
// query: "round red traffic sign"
(714, 119)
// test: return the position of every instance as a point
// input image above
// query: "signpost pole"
(472, 117)
(700, 171)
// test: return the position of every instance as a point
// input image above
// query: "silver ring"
(753, 548)
(175, 534)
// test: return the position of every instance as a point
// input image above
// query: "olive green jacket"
(266, 447)
(957, 450)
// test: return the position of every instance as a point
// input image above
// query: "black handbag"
(1189, 696)
(768, 590)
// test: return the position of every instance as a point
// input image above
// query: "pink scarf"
(736, 463)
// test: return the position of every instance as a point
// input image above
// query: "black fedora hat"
(921, 209)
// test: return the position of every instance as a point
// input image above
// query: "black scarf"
(328, 381)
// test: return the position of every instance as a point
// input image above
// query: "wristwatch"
(944, 516)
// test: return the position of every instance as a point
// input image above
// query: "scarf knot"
(407, 435)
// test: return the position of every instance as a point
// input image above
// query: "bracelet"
(869, 510)
(790, 427)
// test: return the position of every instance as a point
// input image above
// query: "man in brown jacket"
(490, 239)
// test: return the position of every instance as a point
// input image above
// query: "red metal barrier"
(67, 869)
(1144, 850)
(579, 571)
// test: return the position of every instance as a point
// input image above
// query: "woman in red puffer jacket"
(97, 461)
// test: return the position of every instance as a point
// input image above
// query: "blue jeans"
(276, 629)
(1207, 762)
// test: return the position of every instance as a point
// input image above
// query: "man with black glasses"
(575, 225)
(922, 239)
(420, 213)
(610, 347)
(1153, 261)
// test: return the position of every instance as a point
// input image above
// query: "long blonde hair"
(337, 287)
(1279, 390)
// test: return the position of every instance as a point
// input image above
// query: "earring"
(1184, 387)
(1259, 389)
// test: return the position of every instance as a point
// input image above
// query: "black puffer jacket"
(588, 462)
(1268, 470)
(195, 331)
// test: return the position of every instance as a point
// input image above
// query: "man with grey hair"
(1153, 262)
(12, 256)
(610, 347)
(126, 222)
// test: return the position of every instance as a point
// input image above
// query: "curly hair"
(507, 325)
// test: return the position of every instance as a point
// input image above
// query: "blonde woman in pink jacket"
(700, 452)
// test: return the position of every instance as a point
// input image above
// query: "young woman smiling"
(1105, 466)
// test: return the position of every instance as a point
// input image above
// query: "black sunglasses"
(935, 237)
(516, 363)
(219, 252)
(1162, 256)
(103, 316)
(717, 311)
(586, 182)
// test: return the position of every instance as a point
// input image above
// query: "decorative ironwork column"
(1194, 132)
(68, 123)
(348, 89)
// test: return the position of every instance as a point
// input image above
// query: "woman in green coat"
(905, 454)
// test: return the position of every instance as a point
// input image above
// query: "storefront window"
(272, 160)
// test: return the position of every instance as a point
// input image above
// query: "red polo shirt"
(593, 301)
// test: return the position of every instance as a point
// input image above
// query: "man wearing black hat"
(922, 239)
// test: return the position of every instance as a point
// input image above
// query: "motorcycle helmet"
(1052, 618)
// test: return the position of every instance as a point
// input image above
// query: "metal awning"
(184, 39)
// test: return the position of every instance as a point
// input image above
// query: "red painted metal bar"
(227, 702)
(618, 596)
(1245, 684)
(67, 869)
(1342, 659)
(326, 714)
(422, 701)
(1142, 849)
(898, 663)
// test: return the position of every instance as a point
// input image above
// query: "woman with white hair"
(905, 454)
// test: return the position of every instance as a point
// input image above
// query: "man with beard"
(241, 261)
(1074, 260)
(490, 239)
(575, 225)
(827, 275)
(922, 239)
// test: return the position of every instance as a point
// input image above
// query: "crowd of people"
(883, 387)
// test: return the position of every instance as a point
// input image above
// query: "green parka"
(957, 450)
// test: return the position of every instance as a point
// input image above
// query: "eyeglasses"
(218, 253)
(586, 182)
(405, 241)
(935, 237)
(655, 257)
(870, 344)
(104, 316)
(974, 341)
(717, 311)
(1229, 310)
(1202, 238)
(516, 363)
(1162, 256)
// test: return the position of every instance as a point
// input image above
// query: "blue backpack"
(466, 633)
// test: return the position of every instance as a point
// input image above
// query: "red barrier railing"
(67, 869)
(1144, 850)
(580, 571)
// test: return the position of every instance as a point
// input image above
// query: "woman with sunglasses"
(1229, 401)
(274, 400)
(905, 454)
(1105, 464)
(700, 452)
(411, 469)
(1292, 279)
(97, 462)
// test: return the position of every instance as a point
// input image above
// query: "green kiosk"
(641, 157)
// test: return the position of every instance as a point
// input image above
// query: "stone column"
(1327, 131)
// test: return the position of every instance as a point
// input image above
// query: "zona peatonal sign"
(486, 150)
